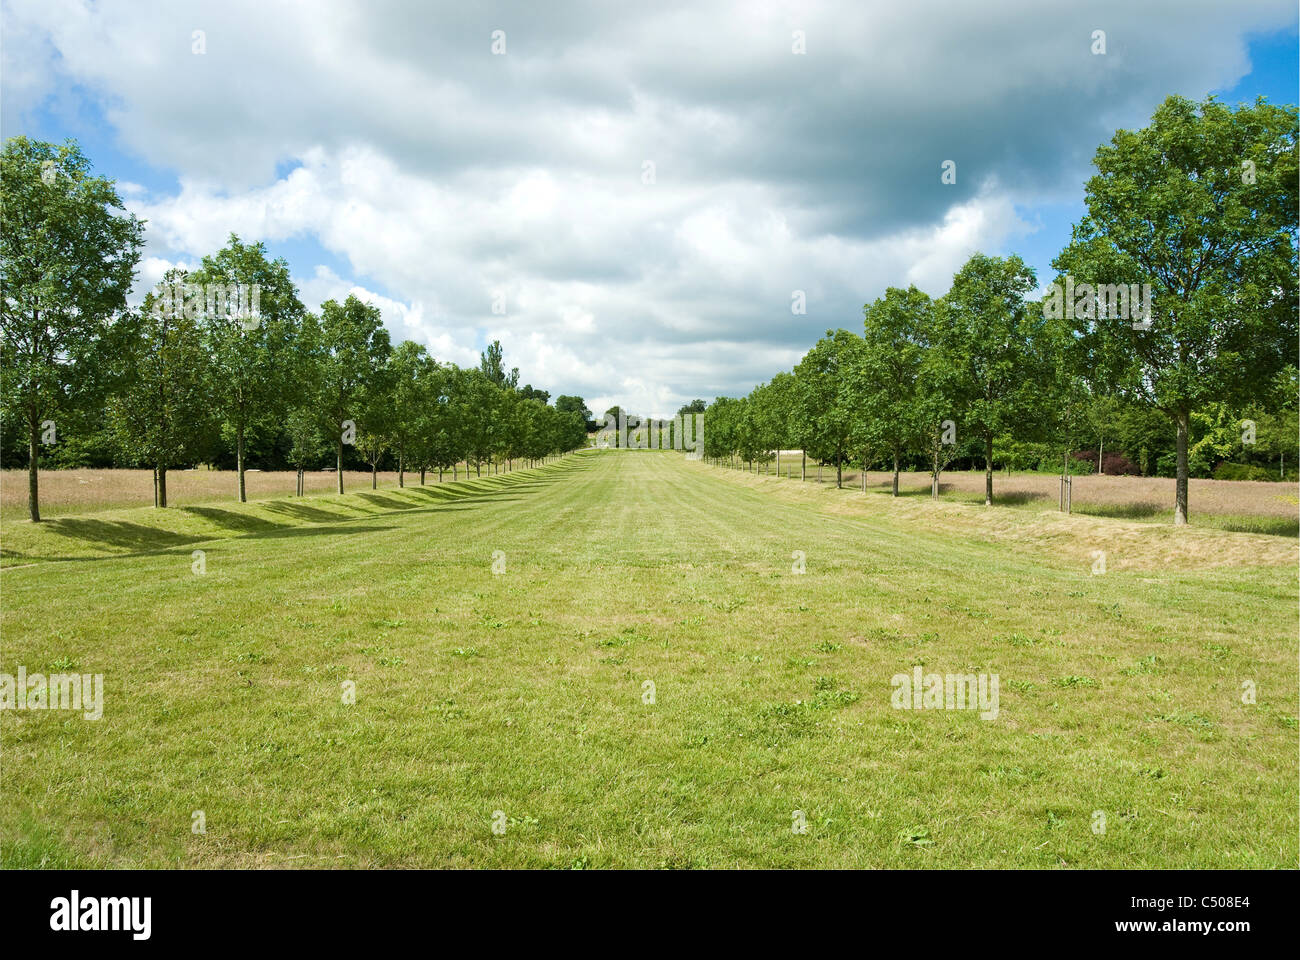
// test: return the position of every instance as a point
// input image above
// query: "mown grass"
(524, 692)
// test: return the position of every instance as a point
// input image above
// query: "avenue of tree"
(1201, 205)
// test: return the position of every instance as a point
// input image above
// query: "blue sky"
(399, 157)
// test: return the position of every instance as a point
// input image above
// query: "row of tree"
(1201, 205)
(190, 374)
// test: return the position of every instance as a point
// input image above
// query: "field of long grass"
(65, 492)
(629, 659)
(1244, 506)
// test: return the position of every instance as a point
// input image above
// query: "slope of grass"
(520, 697)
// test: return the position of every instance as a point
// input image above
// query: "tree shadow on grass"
(387, 502)
(136, 540)
(122, 534)
(300, 511)
(229, 520)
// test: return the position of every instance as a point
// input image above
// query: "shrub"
(1116, 463)
(1241, 471)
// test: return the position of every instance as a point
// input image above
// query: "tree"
(720, 438)
(67, 260)
(613, 416)
(446, 434)
(162, 413)
(303, 427)
(1100, 415)
(490, 362)
(529, 392)
(938, 401)
(252, 316)
(567, 404)
(777, 412)
(377, 414)
(355, 349)
(372, 443)
(1200, 205)
(410, 368)
(303, 423)
(897, 327)
(825, 410)
(993, 344)
(476, 409)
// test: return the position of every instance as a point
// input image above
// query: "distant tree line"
(1167, 345)
(205, 373)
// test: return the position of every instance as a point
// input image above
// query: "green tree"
(896, 331)
(567, 404)
(411, 367)
(826, 410)
(162, 412)
(1201, 204)
(67, 260)
(252, 316)
(994, 345)
(1100, 415)
(305, 442)
(354, 353)
(493, 367)
(303, 421)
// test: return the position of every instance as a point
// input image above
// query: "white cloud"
(438, 174)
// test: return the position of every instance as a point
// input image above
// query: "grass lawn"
(524, 691)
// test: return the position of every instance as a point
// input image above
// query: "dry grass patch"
(1074, 537)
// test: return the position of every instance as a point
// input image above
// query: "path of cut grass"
(524, 692)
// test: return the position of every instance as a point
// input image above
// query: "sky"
(632, 198)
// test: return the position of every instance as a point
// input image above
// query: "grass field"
(523, 691)
(71, 492)
(1247, 507)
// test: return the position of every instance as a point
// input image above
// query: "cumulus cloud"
(450, 180)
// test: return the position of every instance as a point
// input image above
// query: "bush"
(1241, 471)
(1116, 464)
(1080, 465)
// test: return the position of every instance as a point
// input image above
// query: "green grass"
(524, 692)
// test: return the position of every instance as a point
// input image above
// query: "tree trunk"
(422, 472)
(300, 479)
(339, 447)
(988, 472)
(374, 475)
(1180, 484)
(162, 486)
(839, 473)
(401, 470)
(895, 474)
(778, 463)
(239, 462)
(1101, 457)
(803, 465)
(33, 451)
(478, 467)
